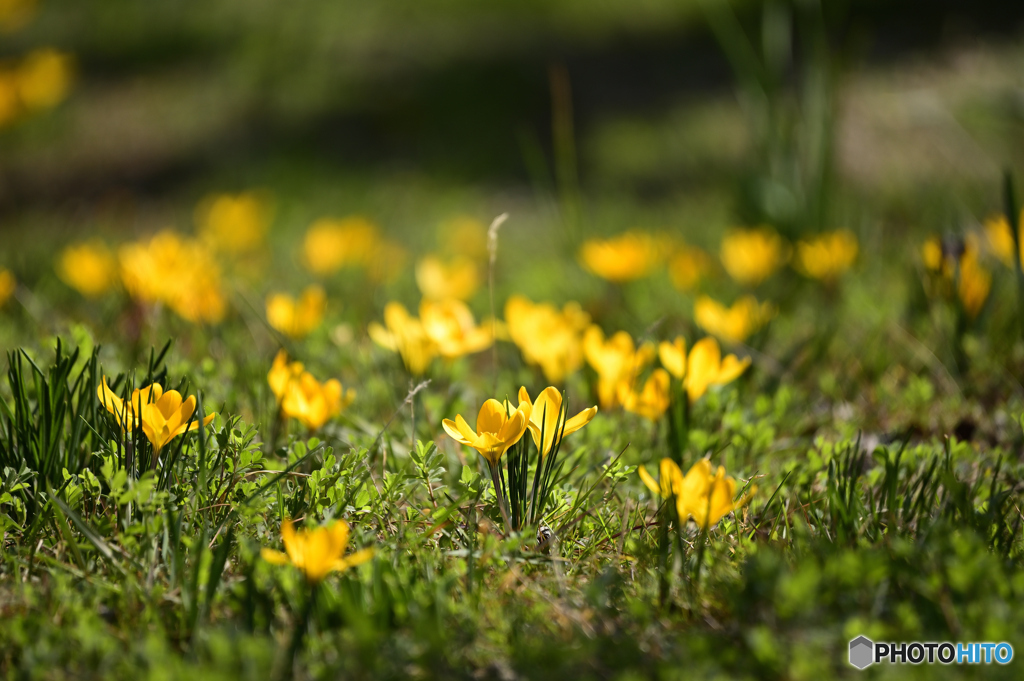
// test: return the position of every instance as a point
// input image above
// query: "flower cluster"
(701, 495)
(548, 337)
(954, 265)
(302, 397)
(297, 318)
(444, 328)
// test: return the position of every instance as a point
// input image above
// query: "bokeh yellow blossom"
(331, 244)
(450, 325)
(16, 14)
(957, 262)
(457, 278)
(234, 223)
(706, 367)
(688, 267)
(548, 337)
(302, 397)
(297, 318)
(752, 255)
(179, 272)
(652, 401)
(89, 267)
(1000, 238)
(404, 334)
(317, 552)
(700, 495)
(616, 360)
(628, 256)
(827, 256)
(44, 78)
(7, 285)
(734, 324)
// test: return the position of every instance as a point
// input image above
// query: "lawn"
(509, 340)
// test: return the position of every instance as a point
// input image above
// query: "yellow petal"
(651, 483)
(273, 557)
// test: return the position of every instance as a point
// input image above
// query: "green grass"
(882, 428)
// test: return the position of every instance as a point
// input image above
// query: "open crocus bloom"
(547, 418)
(163, 415)
(497, 429)
(673, 356)
(700, 495)
(404, 334)
(616, 360)
(297, 318)
(316, 552)
(450, 325)
(314, 403)
(705, 367)
(440, 280)
(652, 401)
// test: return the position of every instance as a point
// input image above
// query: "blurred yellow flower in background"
(302, 397)
(450, 325)
(16, 14)
(616, 361)
(404, 334)
(234, 223)
(297, 318)
(179, 272)
(734, 324)
(673, 356)
(317, 552)
(7, 285)
(705, 367)
(457, 278)
(497, 429)
(549, 338)
(827, 256)
(547, 419)
(163, 415)
(752, 255)
(688, 266)
(959, 263)
(44, 78)
(1000, 238)
(974, 284)
(652, 401)
(89, 267)
(700, 495)
(628, 256)
(331, 244)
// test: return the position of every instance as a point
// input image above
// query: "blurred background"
(595, 115)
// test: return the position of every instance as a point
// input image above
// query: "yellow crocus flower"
(317, 552)
(705, 367)
(302, 397)
(234, 223)
(404, 334)
(297, 318)
(7, 285)
(332, 244)
(616, 361)
(688, 267)
(734, 324)
(1000, 238)
(752, 255)
(44, 78)
(438, 280)
(652, 401)
(450, 325)
(974, 284)
(497, 429)
(699, 495)
(15, 14)
(673, 356)
(89, 268)
(163, 415)
(546, 417)
(827, 256)
(626, 257)
(959, 263)
(549, 338)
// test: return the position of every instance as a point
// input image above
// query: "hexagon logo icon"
(862, 652)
